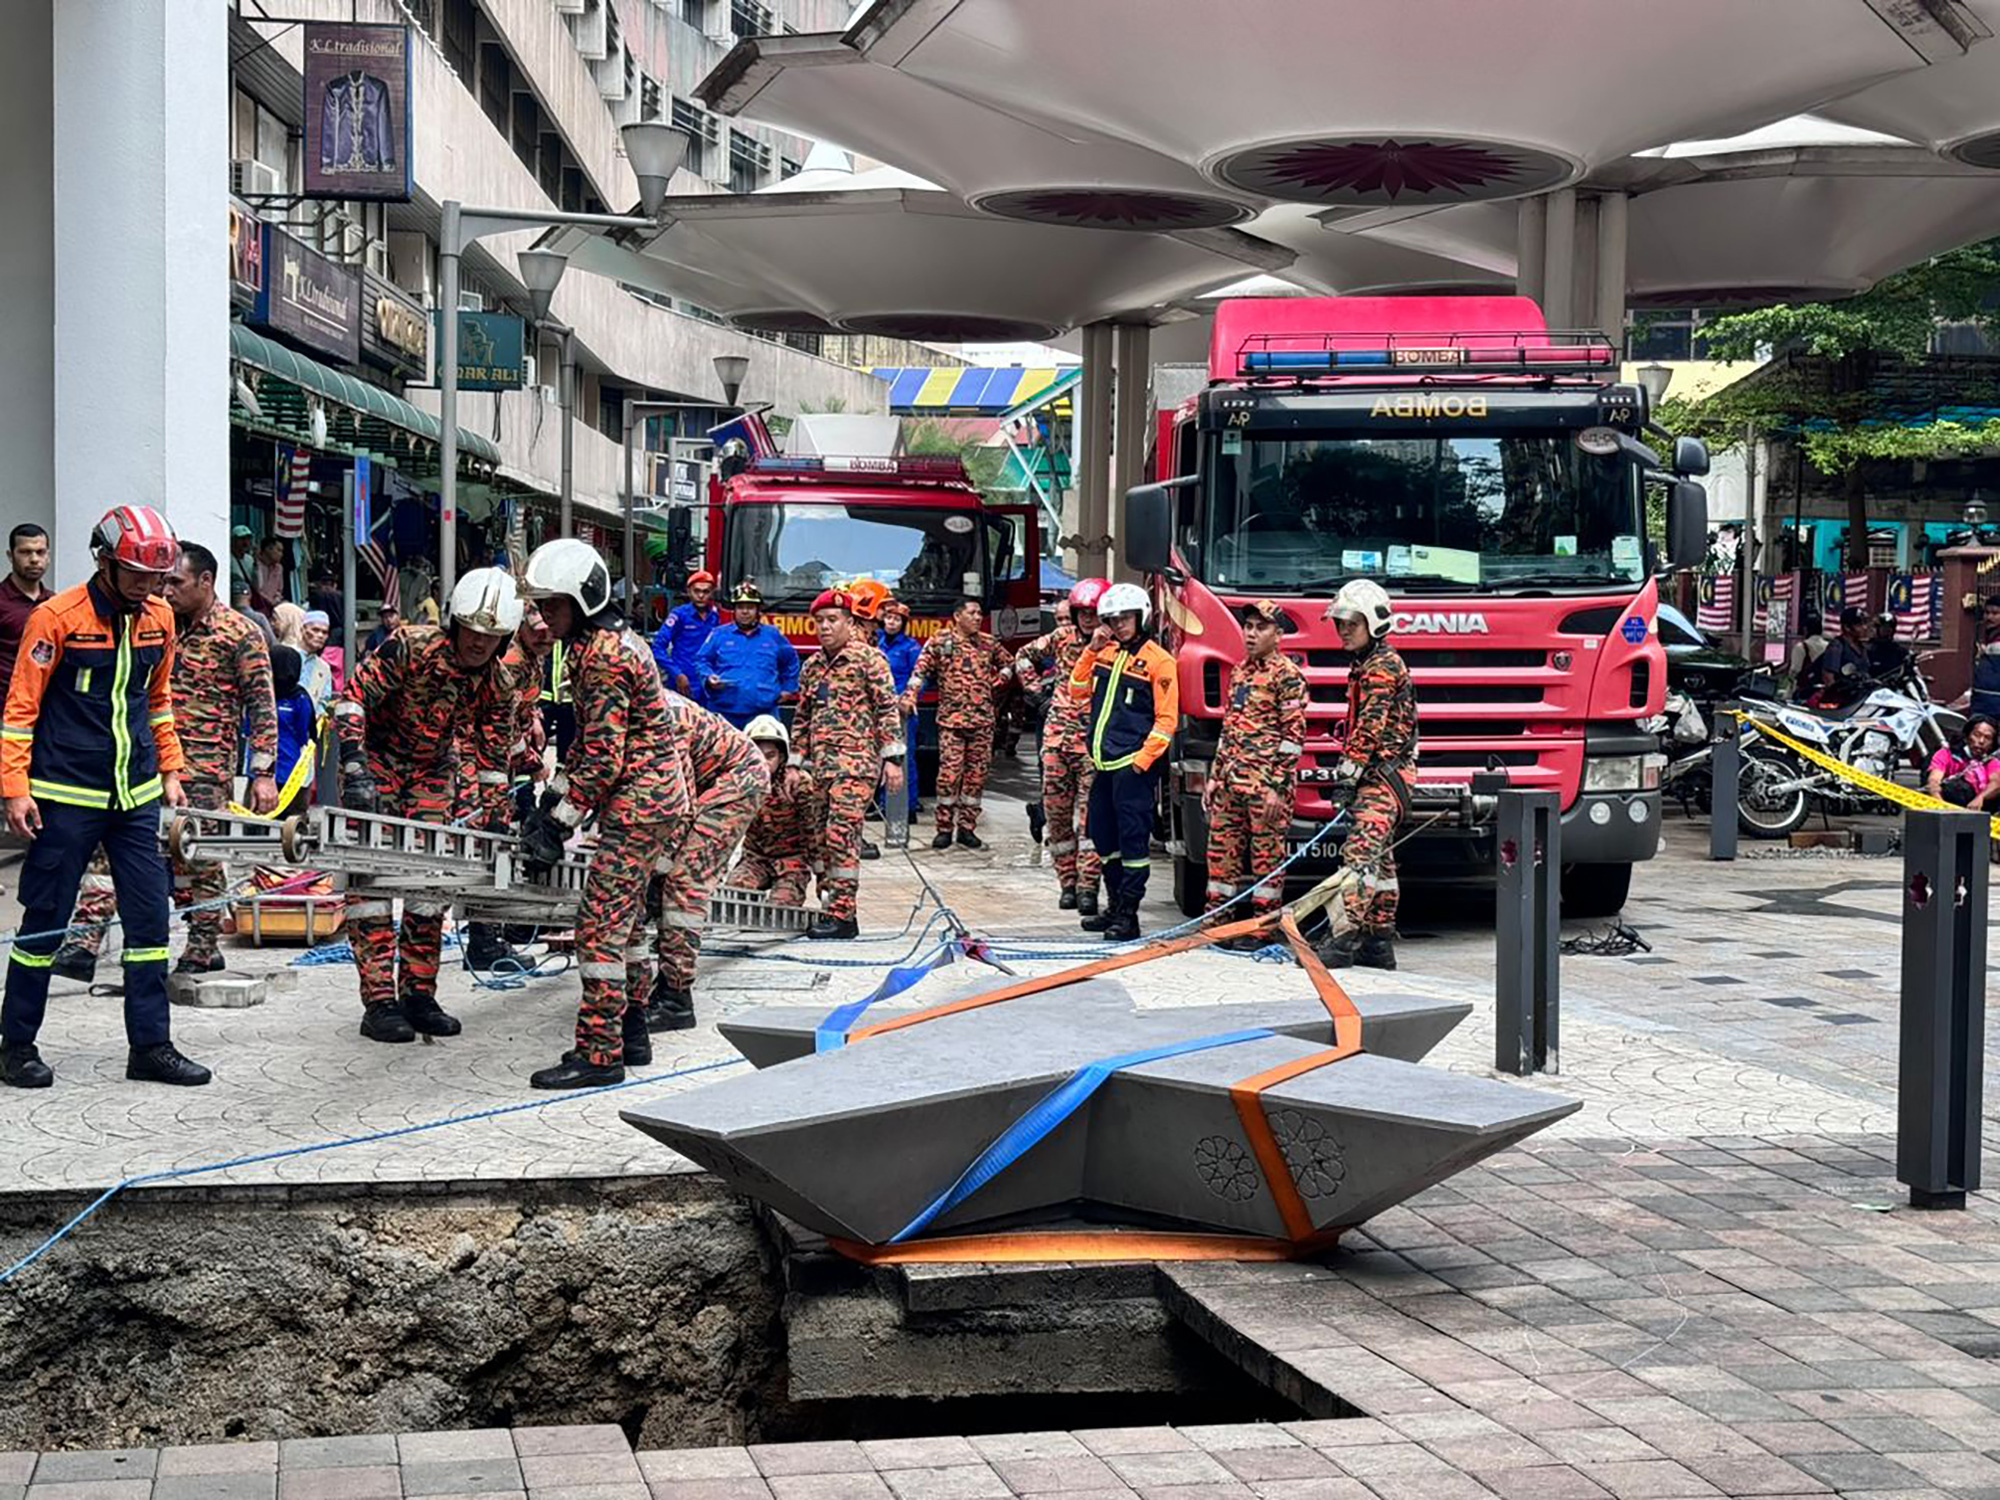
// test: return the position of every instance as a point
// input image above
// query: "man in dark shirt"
(21, 590)
(1843, 672)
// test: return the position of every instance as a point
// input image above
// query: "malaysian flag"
(1913, 600)
(1854, 591)
(1775, 594)
(1717, 609)
(295, 476)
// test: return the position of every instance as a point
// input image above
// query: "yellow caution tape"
(1888, 791)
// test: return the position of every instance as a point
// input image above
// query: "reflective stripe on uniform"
(600, 969)
(1286, 747)
(360, 909)
(492, 778)
(29, 960)
(845, 872)
(681, 919)
(347, 708)
(144, 956)
(69, 796)
(1216, 888)
(637, 956)
(121, 731)
(1067, 847)
(10, 732)
(165, 716)
(95, 882)
(945, 802)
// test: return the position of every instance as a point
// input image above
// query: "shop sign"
(246, 252)
(307, 299)
(492, 352)
(395, 329)
(357, 111)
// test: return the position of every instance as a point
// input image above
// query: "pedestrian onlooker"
(270, 576)
(242, 567)
(1844, 670)
(1248, 797)
(324, 595)
(747, 666)
(21, 590)
(1887, 656)
(319, 677)
(1986, 660)
(1968, 774)
(1808, 648)
(298, 731)
(678, 645)
(386, 622)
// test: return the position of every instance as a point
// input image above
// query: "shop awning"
(381, 415)
(955, 390)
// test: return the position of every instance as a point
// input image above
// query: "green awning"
(371, 403)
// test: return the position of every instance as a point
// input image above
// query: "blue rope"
(289, 1152)
(1042, 1118)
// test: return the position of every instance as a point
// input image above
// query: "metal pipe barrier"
(1940, 1077)
(1527, 842)
(1725, 776)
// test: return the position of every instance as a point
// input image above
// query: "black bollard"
(1725, 767)
(1941, 1073)
(1527, 841)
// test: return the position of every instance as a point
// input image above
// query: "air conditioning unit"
(531, 369)
(471, 302)
(250, 178)
(548, 394)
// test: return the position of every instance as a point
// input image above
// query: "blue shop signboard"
(308, 300)
(492, 352)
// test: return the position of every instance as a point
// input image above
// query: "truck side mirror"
(1148, 532)
(1687, 523)
(1690, 457)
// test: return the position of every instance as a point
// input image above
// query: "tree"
(1824, 390)
(930, 437)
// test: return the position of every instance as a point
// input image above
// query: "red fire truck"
(794, 525)
(1489, 473)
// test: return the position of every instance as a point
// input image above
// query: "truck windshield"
(1488, 512)
(928, 557)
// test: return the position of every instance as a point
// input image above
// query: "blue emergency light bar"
(1440, 352)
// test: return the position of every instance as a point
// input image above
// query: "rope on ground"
(1615, 941)
(176, 1174)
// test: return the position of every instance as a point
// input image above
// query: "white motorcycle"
(1895, 725)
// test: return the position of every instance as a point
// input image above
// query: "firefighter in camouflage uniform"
(423, 698)
(847, 736)
(1378, 768)
(1248, 798)
(1066, 768)
(222, 700)
(971, 669)
(628, 769)
(778, 845)
(728, 782)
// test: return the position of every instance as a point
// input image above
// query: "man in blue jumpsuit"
(902, 649)
(680, 640)
(746, 666)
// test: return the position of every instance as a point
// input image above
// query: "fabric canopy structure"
(924, 390)
(383, 420)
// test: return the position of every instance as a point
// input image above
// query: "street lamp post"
(655, 150)
(730, 370)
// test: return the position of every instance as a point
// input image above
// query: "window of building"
(788, 168)
(649, 97)
(749, 162)
(700, 126)
(748, 18)
(695, 13)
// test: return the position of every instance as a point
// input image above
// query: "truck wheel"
(1595, 890)
(1190, 886)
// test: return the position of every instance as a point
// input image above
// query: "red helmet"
(1087, 592)
(833, 599)
(137, 537)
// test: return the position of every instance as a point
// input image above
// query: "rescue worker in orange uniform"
(971, 668)
(88, 753)
(1133, 690)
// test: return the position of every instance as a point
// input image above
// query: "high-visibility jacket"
(1135, 703)
(90, 714)
(555, 675)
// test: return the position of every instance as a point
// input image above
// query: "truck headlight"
(1613, 773)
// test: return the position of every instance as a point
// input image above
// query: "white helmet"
(1362, 599)
(769, 728)
(569, 568)
(486, 600)
(1124, 599)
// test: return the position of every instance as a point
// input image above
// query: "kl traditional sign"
(307, 299)
(491, 352)
(357, 111)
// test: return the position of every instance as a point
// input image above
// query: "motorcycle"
(1895, 724)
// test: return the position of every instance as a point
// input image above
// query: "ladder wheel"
(291, 838)
(181, 839)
